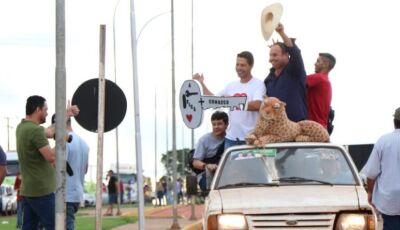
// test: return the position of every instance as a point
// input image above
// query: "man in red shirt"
(319, 90)
(20, 207)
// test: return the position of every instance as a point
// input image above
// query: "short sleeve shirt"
(207, 147)
(383, 166)
(243, 122)
(39, 175)
(77, 156)
(111, 185)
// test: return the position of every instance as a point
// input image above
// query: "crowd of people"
(306, 97)
(36, 184)
(164, 191)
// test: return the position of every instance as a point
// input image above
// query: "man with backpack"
(319, 92)
(210, 148)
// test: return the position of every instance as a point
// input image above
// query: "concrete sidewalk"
(159, 218)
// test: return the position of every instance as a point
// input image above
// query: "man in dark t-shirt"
(112, 188)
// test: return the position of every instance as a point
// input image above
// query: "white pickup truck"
(288, 186)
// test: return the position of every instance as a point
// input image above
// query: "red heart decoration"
(240, 95)
(189, 117)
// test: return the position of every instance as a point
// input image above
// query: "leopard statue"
(273, 126)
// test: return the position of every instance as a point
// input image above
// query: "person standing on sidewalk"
(77, 157)
(112, 192)
(382, 171)
(36, 162)
(20, 205)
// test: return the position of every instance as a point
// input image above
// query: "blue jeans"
(20, 211)
(39, 209)
(229, 143)
(72, 208)
(391, 222)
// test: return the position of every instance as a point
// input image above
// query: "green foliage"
(90, 187)
(182, 157)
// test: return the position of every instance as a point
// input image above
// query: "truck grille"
(291, 221)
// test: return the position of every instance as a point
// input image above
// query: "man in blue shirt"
(382, 171)
(287, 77)
(77, 157)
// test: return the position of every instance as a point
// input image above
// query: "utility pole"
(8, 133)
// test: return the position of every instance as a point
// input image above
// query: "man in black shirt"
(112, 188)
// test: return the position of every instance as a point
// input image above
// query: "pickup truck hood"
(285, 199)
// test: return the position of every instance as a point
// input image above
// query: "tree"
(182, 164)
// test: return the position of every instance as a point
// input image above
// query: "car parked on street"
(288, 186)
(8, 202)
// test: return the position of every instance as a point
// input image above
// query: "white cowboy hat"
(270, 17)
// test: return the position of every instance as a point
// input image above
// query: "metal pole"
(61, 114)
(192, 216)
(116, 129)
(147, 23)
(167, 143)
(138, 143)
(100, 126)
(192, 46)
(175, 224)
(8, 133)
(155, 138)
(183, 152)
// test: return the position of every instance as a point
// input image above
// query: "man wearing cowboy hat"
(287, 77)
(382, 171)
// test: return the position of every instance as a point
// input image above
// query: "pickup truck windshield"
(289, 166)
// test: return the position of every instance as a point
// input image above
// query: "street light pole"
(116, 129)
(138, 143)
(175, 224)
(155, 138)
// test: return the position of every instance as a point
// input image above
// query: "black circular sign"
(86, 97)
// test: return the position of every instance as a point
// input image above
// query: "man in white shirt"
(382, 170)
(241, 122)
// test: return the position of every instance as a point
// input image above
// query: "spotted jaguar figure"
(273, 125)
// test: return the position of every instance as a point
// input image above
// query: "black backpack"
(331, 116)
(212, 160)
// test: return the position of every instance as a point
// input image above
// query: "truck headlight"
(227, 221)
(355, 221)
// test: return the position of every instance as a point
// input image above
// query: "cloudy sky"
(361, 34)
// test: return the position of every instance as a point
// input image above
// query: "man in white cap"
(382, 171)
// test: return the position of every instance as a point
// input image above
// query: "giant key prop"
(192, 103)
